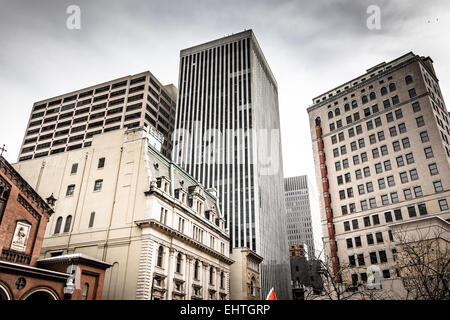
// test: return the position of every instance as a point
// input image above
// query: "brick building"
(23, 219)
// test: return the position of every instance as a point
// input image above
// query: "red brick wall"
(14, 211)
(32, 283)
(91, 275)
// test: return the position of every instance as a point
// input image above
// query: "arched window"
(354, 104)
(347, 107)
(211, 275)
(330, 114)
(383, 91)
(364, 99)
(253, 287)
(337, 112)
(179, 263)
(58, 225)
(372, 96)
(85, 291)
(68, 223)
(408, 79)
(392, 86)
(160, 256)
(222, 279)
(196, 270)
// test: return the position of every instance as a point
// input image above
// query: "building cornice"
(25, 189)
(77, 258)
(152, 223)
(157, 192)
(33, 271)
(362, 84)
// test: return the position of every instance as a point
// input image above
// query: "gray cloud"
(311, 47)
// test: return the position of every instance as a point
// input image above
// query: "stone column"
(145, 270)
(189, 274)
(170, 272)
(205, 280)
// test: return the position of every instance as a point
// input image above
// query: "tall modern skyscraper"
(227, 135)
(298, 210)
(69, 121)
(382, 154)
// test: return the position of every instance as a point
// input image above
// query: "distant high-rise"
(69, 121)
(298, 211)
(382, 154)
(227, 136)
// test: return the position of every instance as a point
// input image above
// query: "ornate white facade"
(128, 205)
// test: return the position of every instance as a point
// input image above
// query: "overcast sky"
(311, 47)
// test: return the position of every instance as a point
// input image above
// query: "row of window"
(365, 98)
(412, 212)
(178, 268)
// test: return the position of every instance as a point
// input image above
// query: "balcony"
(16, 257)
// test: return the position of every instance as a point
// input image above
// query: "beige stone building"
(382, 154)
(245, 275)
(422, 257)
(121, 201)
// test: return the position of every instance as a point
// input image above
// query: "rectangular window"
(394, 197)
(438, 186)
(349, 243)
(70, 190)
(418, 191)
(98, 185)
(378, 168)
(387, 165)
(424, 136)
(369, 239)
(379, 237)
(91, 220)
(373, 258)
(346, 226)
(398, 214)
(74, 168)
(372, 203)
(443, 205)
(409, 158)
(433, 169)
(361, 261)
(412, 211)
(405, 142)
(420, 122)
(388, 216)
(416, 106)
(101, 163)
(375, 219)
(384, 150)
(422, 209)
(364, 157)
(393, 131)
(366, 221)
(413, 174)
(400, 162)
(407, 193)
(391, 181)
(375, 153)
(383, 257)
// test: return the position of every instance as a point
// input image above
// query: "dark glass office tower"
(227, 135)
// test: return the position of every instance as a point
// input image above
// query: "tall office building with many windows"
(69, 121)
(227, 136)
(298, 211)
(382, 154)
